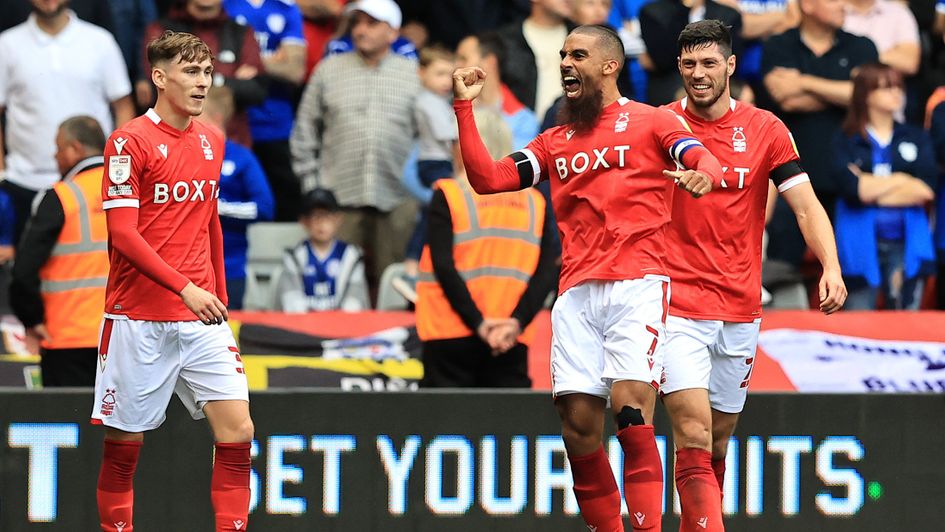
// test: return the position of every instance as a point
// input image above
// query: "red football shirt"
(171, 177)
(714, 243)
(610, 198)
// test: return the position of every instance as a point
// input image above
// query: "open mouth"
(571, 85)
(701, 88)
(199, 97)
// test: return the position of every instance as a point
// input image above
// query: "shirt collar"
(83, 165)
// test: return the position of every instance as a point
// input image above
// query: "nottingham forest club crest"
(739, 142)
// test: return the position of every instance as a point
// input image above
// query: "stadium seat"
(267, 243)
(388, 298)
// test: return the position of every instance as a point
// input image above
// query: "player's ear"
(610, 67)
(731, 64)
(158, 77)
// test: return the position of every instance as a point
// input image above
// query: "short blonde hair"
(429, 54)
(172, 44)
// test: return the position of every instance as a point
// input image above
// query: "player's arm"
(542, 281)
(35, 248)
(519, 170)
(794, 185)
(216, 257)
(703, 172)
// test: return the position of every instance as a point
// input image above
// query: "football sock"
(596, 491)
(718, 467)
(698, 492)
(229, 486)
(642, 470)
(115, 492)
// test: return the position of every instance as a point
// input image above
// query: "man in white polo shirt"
(52, 67)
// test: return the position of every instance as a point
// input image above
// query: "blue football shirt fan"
(245, 198)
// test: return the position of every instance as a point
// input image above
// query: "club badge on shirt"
(119, 168)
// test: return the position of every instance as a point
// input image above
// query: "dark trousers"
(940, 286)
(68, 367)
(22, 201)
(235, 290)
(468, 363)
(276, 160)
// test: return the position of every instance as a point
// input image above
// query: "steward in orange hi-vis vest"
(496, 247)
(73, 279)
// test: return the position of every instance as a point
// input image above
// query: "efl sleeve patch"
(119, 168)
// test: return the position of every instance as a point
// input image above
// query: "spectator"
(806, 73)
(487, 51)
(488, 266)
(624, 16)
(761, 19)
(237, 62)
(531, 64)
(660, 24)
(7, 222)
(938, 26)
(322, 273)
(401, 46)
(14, 12)
(53, 66)
(891, 27)
(134, 17)
(937, 130)
(886, 172)
(58, 287)
(245, 196)
(278, 27)
(320, 22)
(436, 130)
(354, 130)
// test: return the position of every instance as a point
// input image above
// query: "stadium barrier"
(493, 461)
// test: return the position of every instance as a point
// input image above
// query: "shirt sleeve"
(440, 239)
(925, 167)
(125, 162)
(776, 53)
(785, 162)
(114, 71)
(907, 29)
(36, 246)
(293, 33)
(5, 67)
(521, 169)
(672, 132)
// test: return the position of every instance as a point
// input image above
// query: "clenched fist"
(467, 82)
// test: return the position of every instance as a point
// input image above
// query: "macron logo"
(120, 525)
(639, 516)
(119, 144)
(163, 149)
(703, 522)
(238, 524)
(569, 134)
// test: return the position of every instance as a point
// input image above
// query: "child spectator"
(436, 129)
(322, 273)
(245, 196)
(886, 174)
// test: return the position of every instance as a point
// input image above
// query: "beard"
(581, 113)
(51, 14)
(714, 97)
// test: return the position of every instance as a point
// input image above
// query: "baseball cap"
(319, 198)
(384, 10)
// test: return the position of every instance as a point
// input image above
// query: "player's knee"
(692, 434)
(245, 430)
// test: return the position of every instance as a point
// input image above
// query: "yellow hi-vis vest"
(496, 245)
(73, 279)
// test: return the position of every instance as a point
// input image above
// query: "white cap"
(384, 10)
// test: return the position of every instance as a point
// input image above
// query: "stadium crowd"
(338, 118)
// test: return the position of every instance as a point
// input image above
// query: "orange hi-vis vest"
(73, 279)
(496, 245)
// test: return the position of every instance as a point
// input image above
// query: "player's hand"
(246, 72)
(206, 306)
(832, 291)
(695, 183)
(467, 82)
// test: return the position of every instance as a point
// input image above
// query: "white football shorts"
(710, 354)
(608, 331)
(141, 363)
